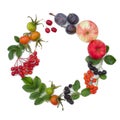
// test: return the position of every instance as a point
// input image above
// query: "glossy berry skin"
(49, 22)
(24, 39)
(47, 30)
(34, 36)
(72, 18)
(54, 99)
(67, 94)
(71, 29)
(53, 29)
(26, 65)
(31, 26)
(60, 19)
(49, 90)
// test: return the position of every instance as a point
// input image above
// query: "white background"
(62, 59)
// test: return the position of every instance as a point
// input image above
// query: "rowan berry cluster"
(24, 66)
(90, 81)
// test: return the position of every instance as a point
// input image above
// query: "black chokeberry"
(70, 86)
(70, 101)
(67, 97)
(104, 72)
(100, 73)
(66, 91)
(66, 88)
(95, 72)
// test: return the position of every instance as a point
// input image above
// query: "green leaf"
(22, 47)
(12, 47)
(28, 88)
(75, 95)
(16, 38)
(93, 61)
(85, 92)
(11, 54)
(27, 80)
(103, 77)
(109, 59)
(39, 101)
(42, 88)
(76, 85)
(34, 95)
(107, 48)
(46, 97)
(36, 82)
(18, 52)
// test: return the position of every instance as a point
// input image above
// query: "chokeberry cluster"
(24, 66)
(95, 70)
(67, 94)
(68, 22)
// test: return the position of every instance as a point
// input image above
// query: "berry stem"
(51, 14)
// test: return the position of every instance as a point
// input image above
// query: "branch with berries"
(86, 31)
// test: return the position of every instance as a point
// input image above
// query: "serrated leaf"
(28, 88)
(16, 38)
(93, 61)
(75, 95)
(18, 52)
(85, 92)
(39, 101)
(36, 82)
(103, 77)
(11, 54)
(109, 59)
(42, 88)
(27, 80)
(34, 95)
(12, 47)
(107, 48)
(76, 85)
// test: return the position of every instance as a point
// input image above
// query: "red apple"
(96, 49)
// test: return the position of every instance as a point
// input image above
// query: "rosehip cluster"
(47, 29)
(24, 66)
(90, 81)
(67, 94)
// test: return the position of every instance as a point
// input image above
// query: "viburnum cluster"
(24, 66)
(86, 31)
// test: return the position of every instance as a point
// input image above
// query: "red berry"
(47, 30)
(53, 29)
(13, 73)
(48, 22)
(35, 53)
(12, 68)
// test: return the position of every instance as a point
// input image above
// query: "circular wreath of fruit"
(97, 54)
